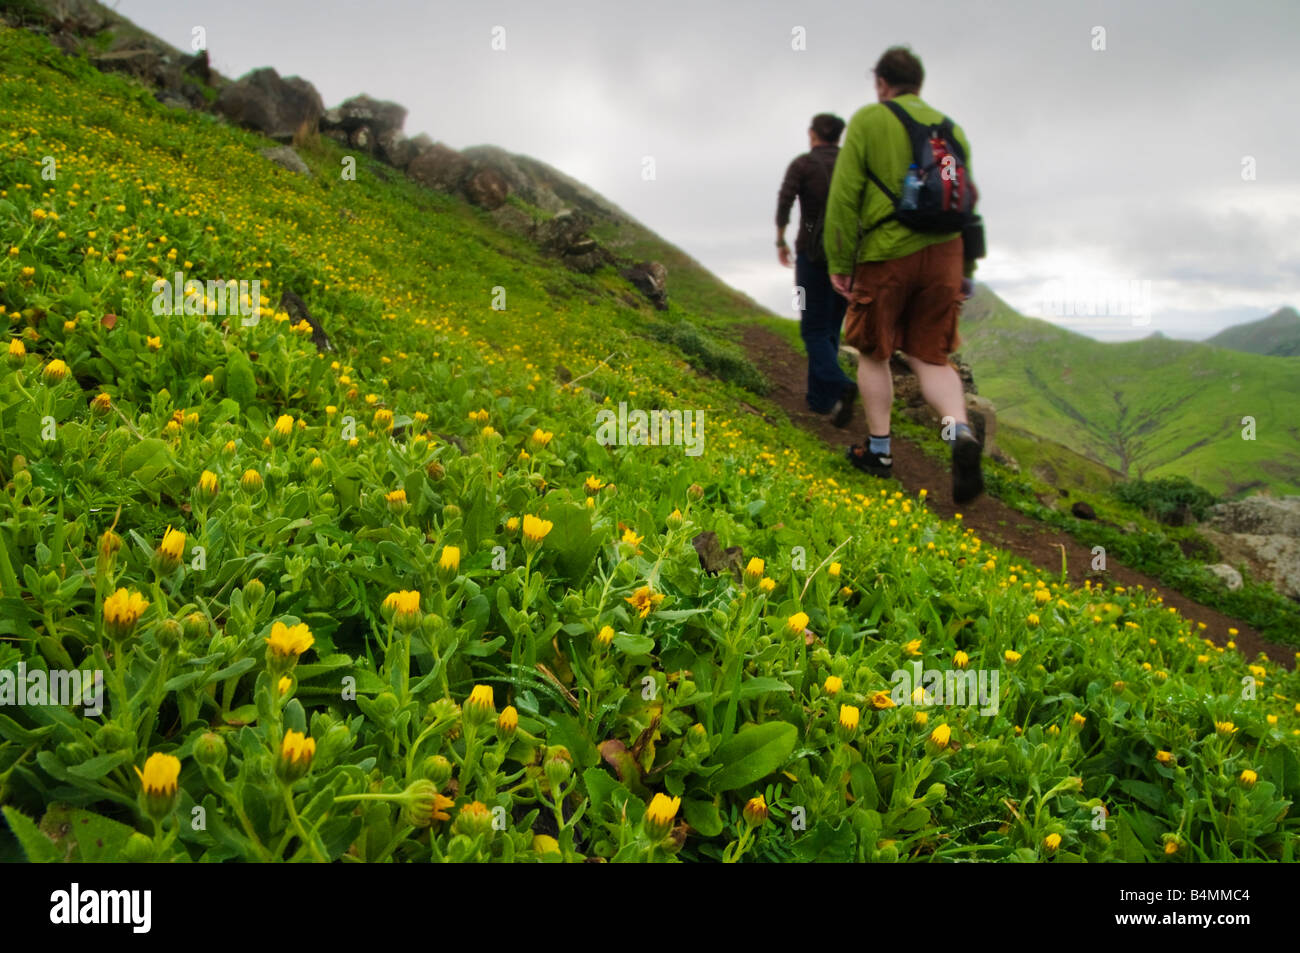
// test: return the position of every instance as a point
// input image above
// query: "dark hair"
(899, 68)
(827, 127)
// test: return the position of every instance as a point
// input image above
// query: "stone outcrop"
(439, 167)
(651, 279)
(289, 110)
(1229, 576)
(487, 189)
(1263, 534)
(286, 158)
(279, 108)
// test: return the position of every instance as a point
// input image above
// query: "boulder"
(565, 235)
(520, 181)
(139, 61)
(286, 158)
(1258, 515)
(362, 137)
(514, 220)
(439, 167)
(487, 189)
(420, 144)
(1231, 578)
(67, 43)
(560, 232)
(1083, 511)
(378, 115)
(172, 99)
(651, 279)
(1263, 534)
(76, 17)
(279, 108)
(199, 68)
(964, 372)
(395, 149)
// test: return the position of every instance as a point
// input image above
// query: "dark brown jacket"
(808, 178)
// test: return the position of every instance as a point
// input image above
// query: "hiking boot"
(967, 477)
(874, 463)
(842, 412)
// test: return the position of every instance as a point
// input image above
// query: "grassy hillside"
(1278, 335)
(1149, 408)
(690, 285)
(1054, 464)
(399, 601)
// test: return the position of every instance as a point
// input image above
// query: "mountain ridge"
(1155, 407)
(1277, 335)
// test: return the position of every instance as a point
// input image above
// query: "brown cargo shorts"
(909, 304)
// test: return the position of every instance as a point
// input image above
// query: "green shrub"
(707, 353)
(1164, 498)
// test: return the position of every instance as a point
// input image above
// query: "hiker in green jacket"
(904, 287)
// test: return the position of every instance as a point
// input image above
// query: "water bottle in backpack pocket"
(938, 194)
(911, 188)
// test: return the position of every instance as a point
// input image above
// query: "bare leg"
(877, 388)
(941, 388)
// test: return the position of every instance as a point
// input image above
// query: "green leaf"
(38, 848)
(10, 730)
(90, 838)
(634, 644)
(600, 785)
(914, 819)
(482, 647)
(241, 385)
(752, 753)
(571, 537)
(566, 731)
(1143, 791)
(703, 816)
(145, 459)
(95, 768)
(761, 685)
(826, 843)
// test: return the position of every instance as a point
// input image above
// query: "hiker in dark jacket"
(808, 178)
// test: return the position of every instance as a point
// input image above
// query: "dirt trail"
(992, 520)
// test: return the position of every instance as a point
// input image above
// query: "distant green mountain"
(1150, 408)
(1278, 335)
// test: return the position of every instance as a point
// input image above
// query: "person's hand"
(783, 255)
(841, 284)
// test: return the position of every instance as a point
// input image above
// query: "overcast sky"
(1103, 173)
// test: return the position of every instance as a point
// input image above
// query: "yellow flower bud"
(659, 816)
(479, 707)
(159, 784)
(296, 753)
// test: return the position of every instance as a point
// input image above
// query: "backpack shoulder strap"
(903, 115)
(946, 129)
(917, 132)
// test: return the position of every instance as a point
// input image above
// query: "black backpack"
(946, 201)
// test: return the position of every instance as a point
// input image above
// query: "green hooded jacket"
(875, 136)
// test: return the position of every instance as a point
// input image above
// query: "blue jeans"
(819, 326)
